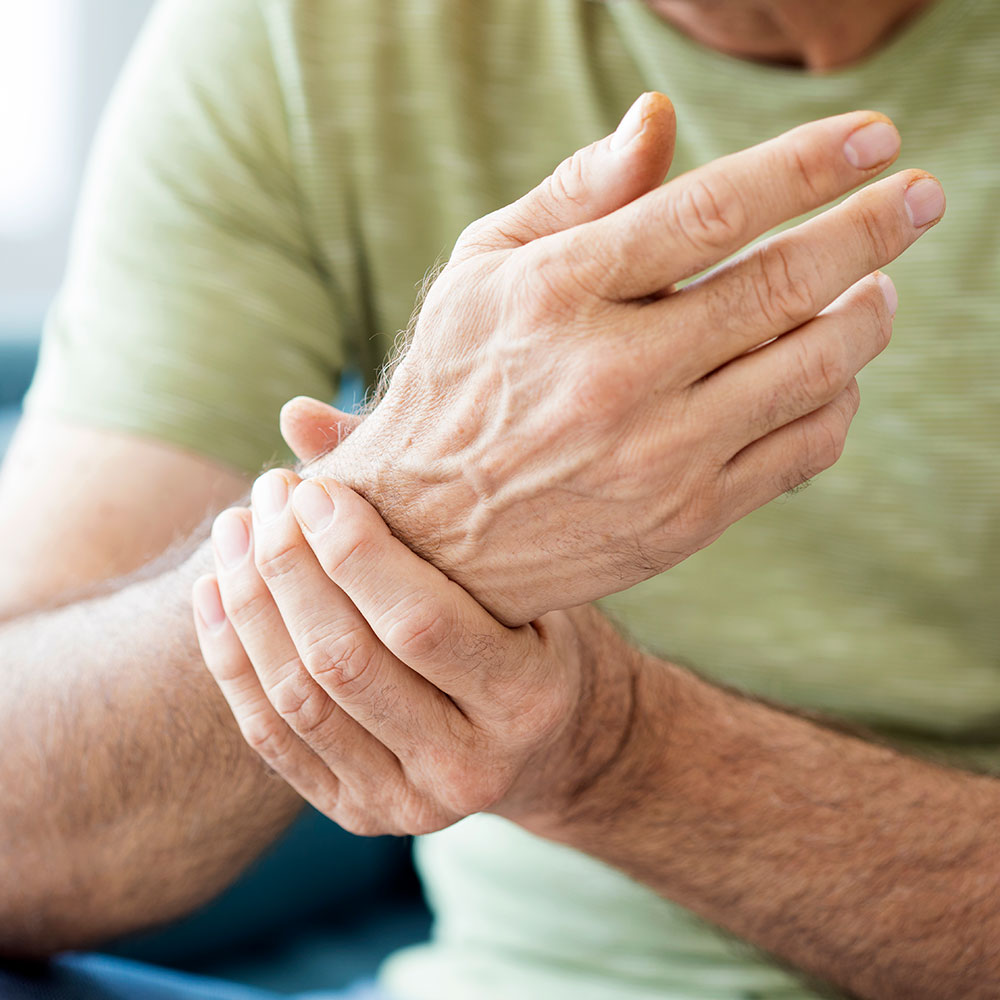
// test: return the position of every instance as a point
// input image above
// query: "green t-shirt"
(271, 184)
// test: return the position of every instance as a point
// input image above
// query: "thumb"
(311, 428)
(592, 183)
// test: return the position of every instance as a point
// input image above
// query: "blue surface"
(96, 977)
(18, 354)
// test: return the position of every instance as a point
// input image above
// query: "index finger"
(707, 214)
(420, 615)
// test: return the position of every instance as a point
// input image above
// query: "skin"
(92, 815)
(576, 443)
(818, 36)
(403, 707)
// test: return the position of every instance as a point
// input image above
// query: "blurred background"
(322, 908)
(60, 57)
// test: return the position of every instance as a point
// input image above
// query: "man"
(217, 257)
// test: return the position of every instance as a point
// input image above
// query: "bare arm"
(128, 795)
(139, 753)
(860, 866)
(877, 872)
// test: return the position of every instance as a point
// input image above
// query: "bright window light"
(37, 56)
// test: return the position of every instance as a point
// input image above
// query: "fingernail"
(313, 506)
(924, 201)
(631, 125)
(230, 538)
(269, 495)
(889, 291)
(208, 604)
(872, 144)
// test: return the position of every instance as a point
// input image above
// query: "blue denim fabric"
(100, 977)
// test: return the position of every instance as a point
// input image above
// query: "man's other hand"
(565, 425)
(378, 689)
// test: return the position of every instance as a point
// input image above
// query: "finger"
(311, 428)
(342, 655)
(592, 182)
(789, 278)
(789, 456)
(428, 621)
(262, 728)
(344, 746)
(702, 216)
(802, 371)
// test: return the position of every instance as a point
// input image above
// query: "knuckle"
(825, 370)
(247, 609)
(475, 237)
(262, 733)
(824, 443)
(569, 181)
(353, 546)
(502, 229)
(473, 788)
(784, 294)
(345, 663)
(276, 558)
(300, 703)
(852, 399)
(605, 387)
(547, 289)
(711, 214)
(874, 232)
(421, 631)
(361, 822)
(804, 170)
(325, 796)
(418, 815)
(879, 320)
(707, 511)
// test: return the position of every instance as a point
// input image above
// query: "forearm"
(854, 863)
(128, 795)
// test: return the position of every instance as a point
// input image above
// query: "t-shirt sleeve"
(195, 302)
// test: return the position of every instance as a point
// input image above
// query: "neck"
(818, 36)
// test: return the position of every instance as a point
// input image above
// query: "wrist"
(580, 774)
(427, 504)
(655, 753)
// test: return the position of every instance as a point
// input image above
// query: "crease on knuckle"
(277, 559)
(550, 289)
(478, 237)
(300, 703)
(824, 443)
(822, 368)
(421, 631)
(871, 226)
(852, 400)
(711, 215)
(248, 609)
(569, 183)
(784, 295)
(344, 664)
(879, 318)
(352, 548)
(263, 734)
(359, 820)
(805, 172)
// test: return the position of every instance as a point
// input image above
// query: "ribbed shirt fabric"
(271, 184)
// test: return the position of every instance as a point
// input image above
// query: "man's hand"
(377, 688)
(849, 861)
(563, 426)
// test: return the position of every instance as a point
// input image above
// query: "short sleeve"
(195, 303)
